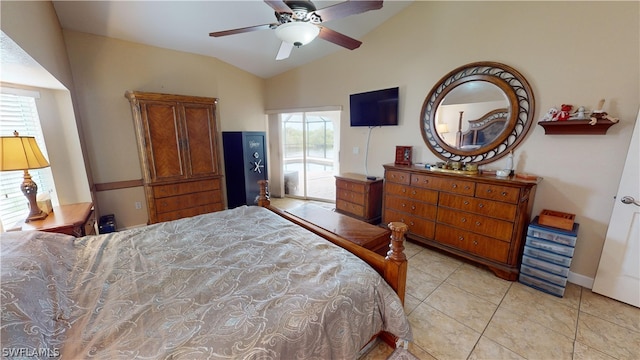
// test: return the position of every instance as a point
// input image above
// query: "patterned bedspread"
(237, 284)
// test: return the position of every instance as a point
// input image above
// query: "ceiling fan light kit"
(299, 23)
(297, 33)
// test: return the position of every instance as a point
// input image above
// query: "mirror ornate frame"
(517, 115)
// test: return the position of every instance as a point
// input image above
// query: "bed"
(245, 283)
(484, 130)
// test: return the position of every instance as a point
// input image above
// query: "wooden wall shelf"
(576, 127)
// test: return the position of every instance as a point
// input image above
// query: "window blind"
(18, 112)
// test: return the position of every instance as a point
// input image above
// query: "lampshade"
(442, 128)
(297, 33)
(20, 153)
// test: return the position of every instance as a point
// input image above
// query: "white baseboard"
(581, 280)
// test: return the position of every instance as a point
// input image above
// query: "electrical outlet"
(138, 205)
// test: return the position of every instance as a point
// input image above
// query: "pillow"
(35, 267)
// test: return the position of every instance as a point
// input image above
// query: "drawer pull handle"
(489, 191)
(463, 220)
(404, 205)
(467, 187)
(504, 193)
(404, 190)
(460, 238)
(413, 207)
(478, 223)
(425, 181)
(475, 242)
(411, 223)
(481, 205)
(454, 185)
(466, 202)
(413, 192)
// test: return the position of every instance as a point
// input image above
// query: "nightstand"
(72, 219)
(359, 197)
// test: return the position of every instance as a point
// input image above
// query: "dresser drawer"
(355, 209)
(416, 208)
(428, 196)
(182, 213)
(423, 181)
(350, 186)
(545, 265)
(350, 196)
(499, 193)
(173, 203)
(495, 228)
(418, 226)
(489, 208)
(399, 177)
(449, 185)
(476, 244)
(160, 191)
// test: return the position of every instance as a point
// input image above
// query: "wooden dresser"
(482, 218)
(177, 145)
(359, 197)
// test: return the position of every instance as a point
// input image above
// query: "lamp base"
(30, 189)
(39, 216)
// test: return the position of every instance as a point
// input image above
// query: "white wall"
(104, 68)
(570, 52)
(34, 27)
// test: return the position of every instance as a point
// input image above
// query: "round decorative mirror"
(477, 113)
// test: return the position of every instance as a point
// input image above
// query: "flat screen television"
(374, 108)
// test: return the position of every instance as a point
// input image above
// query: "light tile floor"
(460, 311)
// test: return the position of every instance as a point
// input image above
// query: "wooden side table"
(72, 219)
(359, 197)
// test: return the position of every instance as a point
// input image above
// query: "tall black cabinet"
(245, 163)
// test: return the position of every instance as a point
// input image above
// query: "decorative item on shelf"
(580, 122)
(564, 113)
(557, 219)
(22, 153)
(550, 115)
(600, 114)
(580, 114)
(403, 155)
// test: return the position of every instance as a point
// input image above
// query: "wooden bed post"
(263, 198)
(396, 270)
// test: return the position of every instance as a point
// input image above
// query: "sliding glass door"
(310, 158)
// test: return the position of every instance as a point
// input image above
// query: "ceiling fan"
(299, 22)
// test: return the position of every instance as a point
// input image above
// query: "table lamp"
(22, 153)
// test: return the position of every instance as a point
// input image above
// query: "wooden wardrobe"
(178, 150)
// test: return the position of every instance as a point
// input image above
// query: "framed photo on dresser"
(403, 155)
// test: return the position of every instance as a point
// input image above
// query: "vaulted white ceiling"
(185, 26)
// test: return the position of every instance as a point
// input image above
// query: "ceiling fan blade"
(339, 39)
(278, 6)
(242, 30)
(285, 50)
(347, 8)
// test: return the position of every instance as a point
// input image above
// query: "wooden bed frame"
(393, 267)
(488, 127)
